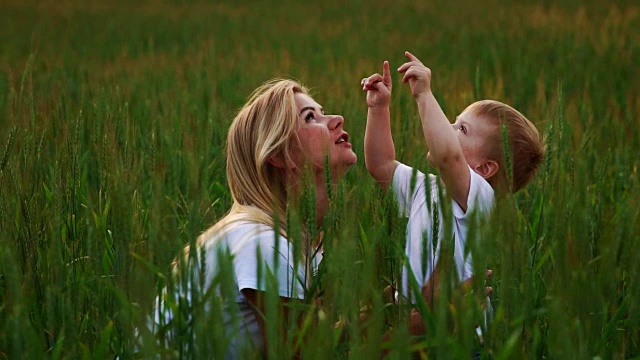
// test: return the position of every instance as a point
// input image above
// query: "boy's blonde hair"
(526, 145)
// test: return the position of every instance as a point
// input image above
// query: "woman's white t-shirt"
(258, 254)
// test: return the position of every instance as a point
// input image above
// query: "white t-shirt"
(244, 242)
(419, 198)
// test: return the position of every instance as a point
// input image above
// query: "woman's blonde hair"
(264, 128)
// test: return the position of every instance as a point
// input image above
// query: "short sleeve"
(480, 199)
(265, 258)
(479, 205)
(407, 183)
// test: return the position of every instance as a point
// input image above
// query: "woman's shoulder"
(241, 234)
(251, 229)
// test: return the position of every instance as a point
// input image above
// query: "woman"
(279, 144)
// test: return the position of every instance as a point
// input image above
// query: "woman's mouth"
(344, 138)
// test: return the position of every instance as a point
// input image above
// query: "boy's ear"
(488, 169)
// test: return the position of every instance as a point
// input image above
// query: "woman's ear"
(488, 169)
(279, 161)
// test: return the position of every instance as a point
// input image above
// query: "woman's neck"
(319, 188)
(322, 200)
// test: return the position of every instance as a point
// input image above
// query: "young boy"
(468, 155)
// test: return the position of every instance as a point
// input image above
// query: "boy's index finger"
(386, 73)
(412, 57)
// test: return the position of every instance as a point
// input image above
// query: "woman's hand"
(431, 290)
(378, 87)
(466, 286)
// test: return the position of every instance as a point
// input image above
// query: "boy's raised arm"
(379, 151)
(445, 152)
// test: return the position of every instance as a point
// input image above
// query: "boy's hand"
(418, 75)
(378, 87)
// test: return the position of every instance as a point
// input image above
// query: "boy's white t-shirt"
(243, 243)
(419, 198)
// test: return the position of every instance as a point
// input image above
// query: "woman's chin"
(353, 160)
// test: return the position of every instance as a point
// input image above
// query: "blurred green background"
(113, 118)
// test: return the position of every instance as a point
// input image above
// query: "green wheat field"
(113, 119)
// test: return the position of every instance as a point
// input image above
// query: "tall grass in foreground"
(114, 118)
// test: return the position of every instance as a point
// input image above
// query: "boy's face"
(474, 134)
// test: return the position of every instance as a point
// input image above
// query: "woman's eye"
(309, 117)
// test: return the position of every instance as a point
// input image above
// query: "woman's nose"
(335, 121)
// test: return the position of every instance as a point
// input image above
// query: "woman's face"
(321, 135)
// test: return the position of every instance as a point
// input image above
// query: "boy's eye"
(463, 128)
